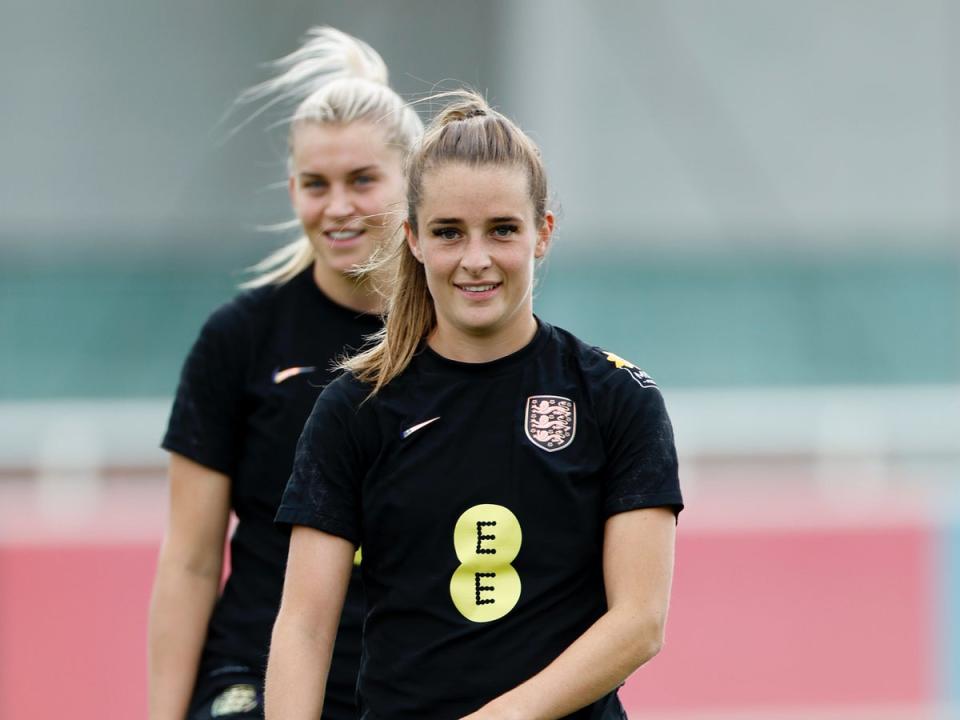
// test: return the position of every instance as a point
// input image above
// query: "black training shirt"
(479, 493)
(246, 389)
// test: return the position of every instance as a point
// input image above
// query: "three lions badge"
(550, 421)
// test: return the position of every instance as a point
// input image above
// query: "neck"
(470, 348)
(350, 292)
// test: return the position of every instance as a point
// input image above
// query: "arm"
(638, 551)
(318, 570)
(186, 585)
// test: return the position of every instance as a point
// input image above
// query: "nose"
(476, 258)
(339, 202)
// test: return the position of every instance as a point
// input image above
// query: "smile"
(343, 236)
(479, 290)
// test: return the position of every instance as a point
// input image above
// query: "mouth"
(478, 291)
(343, 237)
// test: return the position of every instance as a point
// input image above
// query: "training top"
(479, 492)
(246, 389)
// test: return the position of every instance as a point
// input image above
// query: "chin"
(346, 263)
(481, 325)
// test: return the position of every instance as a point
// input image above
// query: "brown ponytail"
(466, 131)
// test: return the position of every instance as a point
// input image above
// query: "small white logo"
(411, 430)
(280, 375)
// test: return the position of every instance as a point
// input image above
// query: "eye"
(315, 184)
(362, 180)
(504, 231)
(446, 233)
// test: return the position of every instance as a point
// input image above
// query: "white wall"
(749, 119)
(109, 130)
(676, 120)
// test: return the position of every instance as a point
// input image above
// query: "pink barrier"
(795, 618)
(759, 620)
(73, 631)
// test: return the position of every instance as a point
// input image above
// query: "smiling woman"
(253, 376)
(515, 490)
(477, 237)
(346, 188)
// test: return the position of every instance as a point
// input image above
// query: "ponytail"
(468, 131)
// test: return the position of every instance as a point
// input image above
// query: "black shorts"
(235, 692)
(609, 708)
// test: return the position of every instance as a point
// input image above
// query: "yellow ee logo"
(486, 586)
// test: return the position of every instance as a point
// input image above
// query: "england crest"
(550, 421)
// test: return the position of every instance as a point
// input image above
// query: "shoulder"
(343, 416)
(345, 401)
(617, 391)
(236, 316)
(345, 390)
(599, 366)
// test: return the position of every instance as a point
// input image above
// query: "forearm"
(296, 670)
(599, 660)
(637, 571)
(179, 614)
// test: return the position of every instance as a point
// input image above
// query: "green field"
(94, 328)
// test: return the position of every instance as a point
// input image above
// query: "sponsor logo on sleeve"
(550, 421)
(642, 379)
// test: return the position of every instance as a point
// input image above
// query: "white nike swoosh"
(411, 430)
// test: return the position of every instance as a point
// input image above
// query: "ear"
(413, 242)
(544, 234)
(292, 189)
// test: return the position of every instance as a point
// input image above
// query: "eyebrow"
(365, 168)
(454, 221)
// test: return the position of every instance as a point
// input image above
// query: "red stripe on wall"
(759, 619)
(793, 618)
(73, 630)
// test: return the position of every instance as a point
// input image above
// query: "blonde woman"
(251, 379)
(515, 490)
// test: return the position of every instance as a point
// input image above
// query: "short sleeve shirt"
(480, 493)
(248, 384)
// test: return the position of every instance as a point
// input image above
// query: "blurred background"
(759, 205)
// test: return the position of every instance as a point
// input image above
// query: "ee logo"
(486, 586)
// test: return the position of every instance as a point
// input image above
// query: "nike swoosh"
(280, 375)
(411, 430)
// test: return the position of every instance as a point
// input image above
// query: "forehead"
(333, 148)
(463, 191)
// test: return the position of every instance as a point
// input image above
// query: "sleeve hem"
(192, 453)
(287, 515)
(636, 502)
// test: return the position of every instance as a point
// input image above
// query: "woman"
(515, 490)
(251, 378)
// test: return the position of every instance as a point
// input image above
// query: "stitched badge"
(550, 421)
